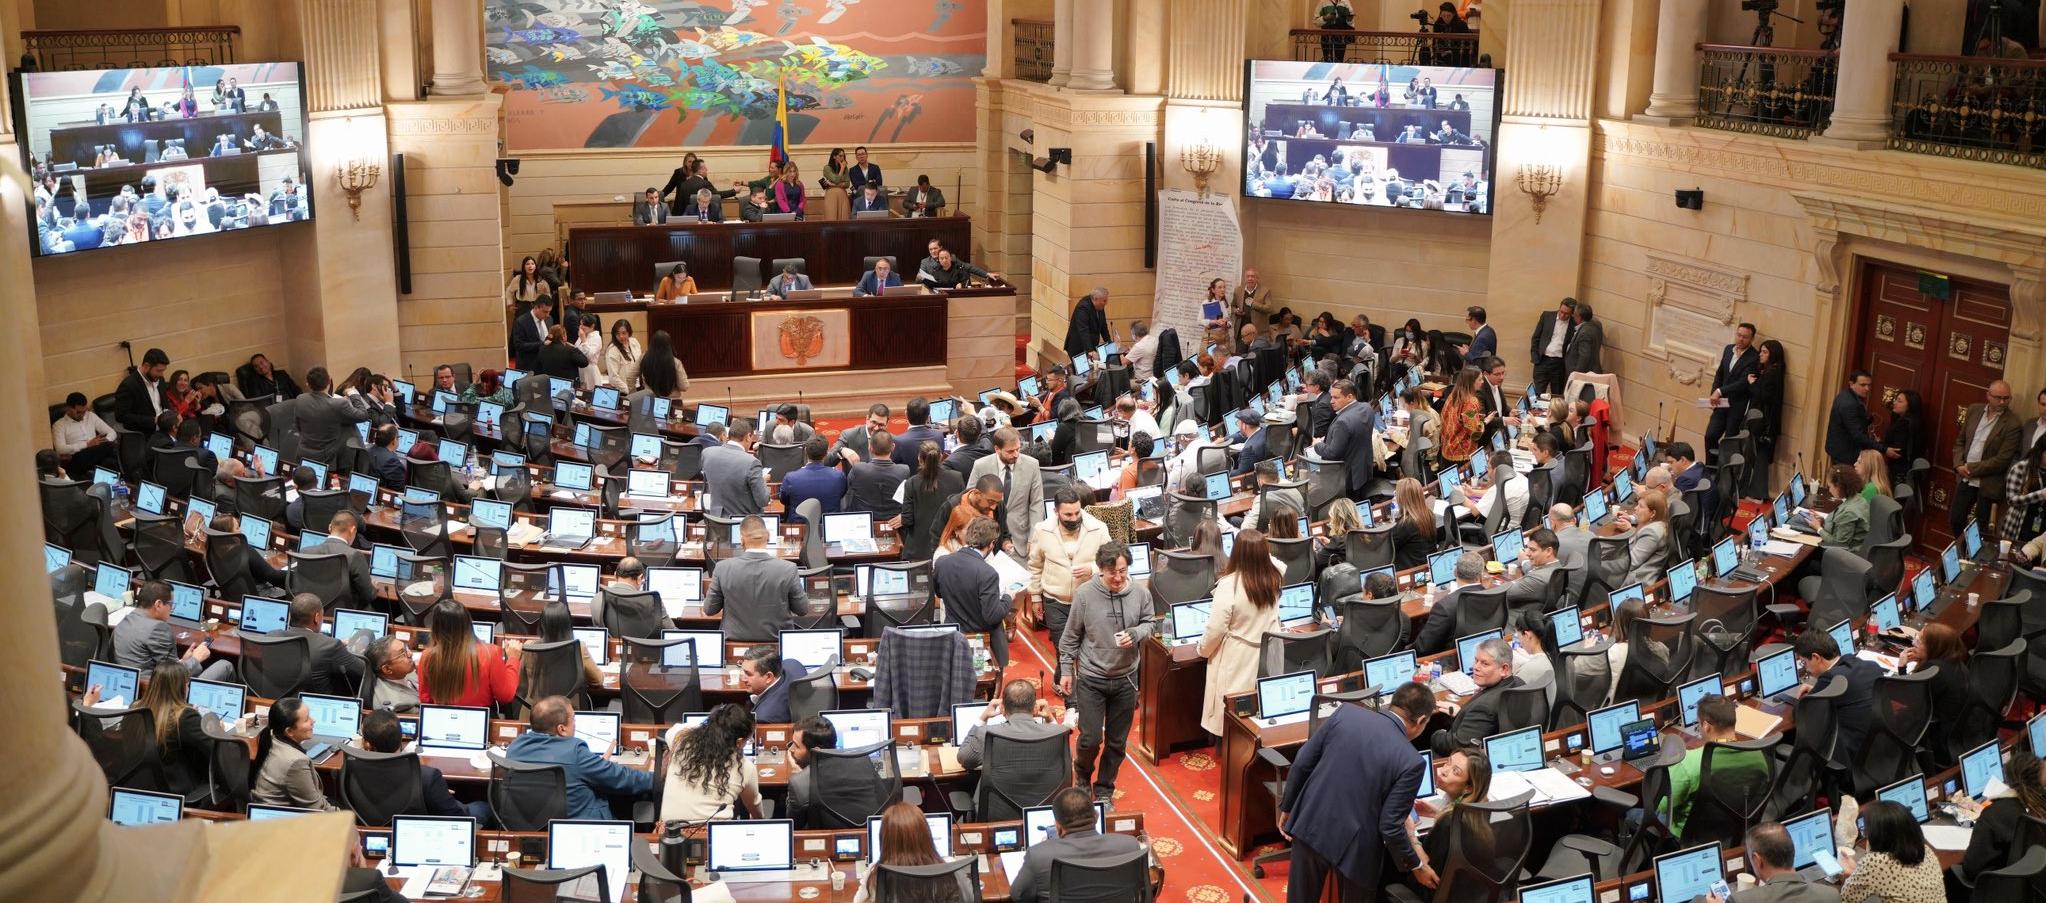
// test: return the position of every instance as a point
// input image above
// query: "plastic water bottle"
(1434, 671)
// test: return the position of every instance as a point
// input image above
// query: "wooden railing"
(1973, 107)
(130, 48)
(1338, 45)
(1033, 49)
(1766, 90)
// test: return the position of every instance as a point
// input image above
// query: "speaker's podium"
(841, 351)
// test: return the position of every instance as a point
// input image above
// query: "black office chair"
(1181, 577)
(746, 274)
(250, 418)
(649, 539)
(123, 742)
(1369, 548)
(525, 796)
(227, 770)
(816, 692)
(378, 785)
(1297, 557)
(657, 883)
(687, 463)
(1999, 622)
(1479, 610)
(1287, 652)
(274, 667)
(260, 496)
(779, 460)
(324, 575)
(651, 690)
(1805, 767)
(160, 547)
(1735, 781)
(523, 593)
(630, 615)
(1726, 626)
(1102, 879)
(591, 882)
(956, 881)
(1371, 628)
(318, 506)
(1182, 513)
(1844, 589)
(425, 528)
(1487, 843)
(1901, 715)
(167, 468)
(1607, 561)
(1525, 706)
(553, 669)
(848, 788)
(867, 265)
(71, 518)
(1584, 681)
(1577, 853)
(1659, 653)
(1015, 774)
(434, 475)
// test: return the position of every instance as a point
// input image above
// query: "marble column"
(1094, 37)
(458, 48)
(1680, 25)
(1861, 101)
(1061, 41)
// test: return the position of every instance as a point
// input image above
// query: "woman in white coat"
(1246, 607)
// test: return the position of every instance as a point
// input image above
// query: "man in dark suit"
(1584, 351)
(859, 440)
(1492, 389)
(814, 480)
(529, 333)
(767, 678)
(1321, 410)
(1252, 427)
(323, 420)
(1546, 347)
(1730, 382)
(972, 590)
(140, 396)
(1825, 661)
(920, 431)
(335, 670)
(1440, 628)
(1073, 811)
(1348, 798)
(869, 200)
(341, 532)
(1847, 428)
(760, 593)
(871, 485)
(384, 460)
(381, 733)
(735, 479)
(1350, 438)
(973, 446)
(1492, 669)
(1484, 339)
(1088, 328)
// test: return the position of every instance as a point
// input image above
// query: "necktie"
(1007, 471)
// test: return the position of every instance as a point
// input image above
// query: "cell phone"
(1719, 887)
(376, 846)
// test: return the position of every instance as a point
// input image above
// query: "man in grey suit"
(1022, 487)
(733, 477)
(1770, 858)
(1584, 349)
(1349, 438)
(144, 637)
(341, 531)
(871, 484)
(335, 670)
(1073, 810)
(1541, 566)
(1018, 715)
(1573, 542)
(759, 593)
(859, 439)
(324, 420)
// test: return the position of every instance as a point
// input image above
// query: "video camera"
(1427, 21)
(1761, 6)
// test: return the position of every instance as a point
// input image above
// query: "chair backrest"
(688, 460)
(1845, 586)
(956, 881)
(1584, 681)
(779, 460)
(251, 417)
(552, 669)
(324, 575)
(634, 615)
(1885, 521)
(160, 546)
(227, 561)
(525, 796)
(1886, 560)
(71, 517)
(2019, 880)
(1369, 548)
(1298, 557)
(274, 667)
(2001, 621)
(167, 467)
(1523, 707)
(1372, 627)
(815, 692)
(1902, 713)
(1608, 559)
(1284, 652)
(1102, 879)
(654, 691)
(1735, 781)
(379, 785)
(317, 507)
(1017, 774)
(549, 885)
(1181, 577)
(522, 594)
(227, 767)
(1182, 514)
(1479, 610)
(746, 275)
(1488, 844)
(848, 786)
(123, 742)
(260, 496)
(1659, 652)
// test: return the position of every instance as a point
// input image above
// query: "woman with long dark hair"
(1463, 419)
(1406, 343)
(1899, 868)
(560, 358)
(182, 746)
(1442, 354)
(456, 669)
(621, 357)
(1246, 607)
(659, 371)
(1765, 394)
(526, 284)
(1328, 336)
(923, 502)
(284, 775)
(905, 840)
(709, 775)
(1904, 441)
(1998, 829)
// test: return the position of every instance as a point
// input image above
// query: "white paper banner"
(1198, 241)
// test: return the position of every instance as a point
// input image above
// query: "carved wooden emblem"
(1886, 327)
(1914, 335)
(802, 338)
(1959, 346)
(1992, 354)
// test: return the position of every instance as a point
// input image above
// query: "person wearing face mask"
(1062, 554)
(1357, 755)
(1098, 659)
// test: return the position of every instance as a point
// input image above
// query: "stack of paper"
(1948, 838)
(1754, 723)
(1014, 576)
(1548, 785)
(1458, 682)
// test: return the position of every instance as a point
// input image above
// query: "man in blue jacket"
(550, 740)
(1360, 761)
(815, 480)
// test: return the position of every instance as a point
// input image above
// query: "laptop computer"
(135, 808)
(752, 850)
(442, 847)
(455, 730)
(1574, 889)
(704, 651)
(940, 826)
(1688, 697)
(1811, 840)
(1189, 620)
(1909, 793)
(118, 685)
(263, 615)
(1039, 825)
(1519, 750)
(221, 700)
(336, 720)
(812, 647)
(580, 843)
(571, 528)
(1389, 672)
(1604, 729)
(1689, 873)
(1285, 698)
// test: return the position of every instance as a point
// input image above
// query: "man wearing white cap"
(1191, 441)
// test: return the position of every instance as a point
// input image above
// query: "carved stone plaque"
(1691, 312)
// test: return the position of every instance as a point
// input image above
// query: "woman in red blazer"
(455, 669)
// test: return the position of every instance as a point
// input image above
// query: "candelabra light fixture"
(355, 177)
(1200, 159)
(1540, 181)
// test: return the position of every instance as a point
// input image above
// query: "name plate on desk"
(802, 339)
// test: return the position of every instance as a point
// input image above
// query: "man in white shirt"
(1136, 419)
(1142, 352)
(88, 440)
(1191, 441)
(1504, 479)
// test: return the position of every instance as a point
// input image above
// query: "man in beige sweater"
(1062, 557)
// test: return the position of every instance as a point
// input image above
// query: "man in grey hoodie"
(1098, 652)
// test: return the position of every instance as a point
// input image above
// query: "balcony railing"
(1033, 49)
(1766, 90)
(1974, 108)
(1337, 45)
(131, 48)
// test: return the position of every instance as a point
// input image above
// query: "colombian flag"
(778, 151)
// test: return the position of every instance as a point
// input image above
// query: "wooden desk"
(78, 143)
(883, 332)
(622, 258)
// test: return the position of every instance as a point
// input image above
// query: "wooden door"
(1948, 349)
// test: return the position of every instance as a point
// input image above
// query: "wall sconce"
(355, 177)
(1540, 181)
(1200, 159)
